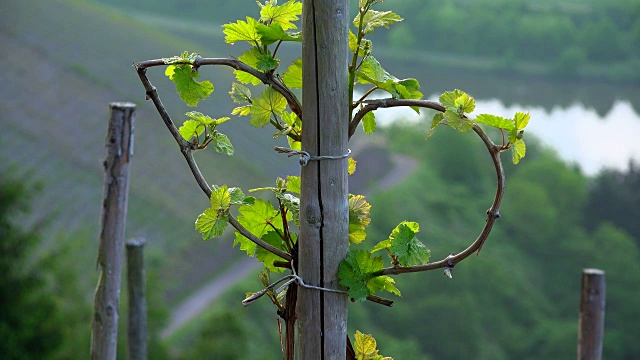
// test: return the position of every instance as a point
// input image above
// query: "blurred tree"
(29, 316)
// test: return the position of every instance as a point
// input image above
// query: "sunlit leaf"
(293, 76)
(369, 123)
(375, 19)
(210, 224)
(242, 31)
(190, 90)
(269, 103)
(282, 15)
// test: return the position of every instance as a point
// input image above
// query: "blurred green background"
(572, 203)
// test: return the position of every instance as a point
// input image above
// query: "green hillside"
(63, 62)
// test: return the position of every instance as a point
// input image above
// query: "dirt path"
(196, 303)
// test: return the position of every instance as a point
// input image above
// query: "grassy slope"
(63, 62)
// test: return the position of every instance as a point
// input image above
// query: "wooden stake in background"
(591, 322)
(324, 212)
(119, 143)
(136, 290)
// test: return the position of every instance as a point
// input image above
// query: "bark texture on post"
(136, 289)
(591, 321)
(119, 145)
(324, 213)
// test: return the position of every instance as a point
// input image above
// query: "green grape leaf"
(495, 121)
(184, 58)
(457, 122)
(256, 218)
(267, 62)
(365, 45)
(406, 247)
(365, 347)
(375, 19)
(274, 32)
(449, 98)
(356, 272)
(465, 103)
(206, 120)
(240, 93)
(237, 197)
(521, 120)
(359, 218)
(270, 102)
(242, 31)
(190, 90)
(293, 184)
(293, 76)
(191, 128)
(242, 110)
(211, 224)
(282, 15)
(250, 58)
(291, 119)
(437, 119)
(369, 123)
(267, 257)
(220, 197)
(384, 244)
(519, 150)
(351, 167)
(371, 72)
(222, 144)
(292, 203)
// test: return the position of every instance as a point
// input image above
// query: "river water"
(592, 124)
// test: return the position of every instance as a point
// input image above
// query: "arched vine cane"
(187, 149)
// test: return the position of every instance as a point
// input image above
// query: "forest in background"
(156, 210)
(585, 39)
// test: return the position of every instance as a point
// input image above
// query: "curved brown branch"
(268, 79)
(387, 103)
(187, 152)
(492, 214)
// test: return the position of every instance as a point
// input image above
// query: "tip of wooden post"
(593, 271)
(135, 242)
(122, 105)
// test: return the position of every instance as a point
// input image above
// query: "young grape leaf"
(521, 120)
(184, 58)
(220, 197)
(359, 218)
(240, 93)
(437, 119)
(519, 150)
(190, 90)
(365, 347)
(222, 144)
(292, 203)
(495, 121)
(250, 58)
(351, 167)
(448, 99)
(210, 224)
(257, 219)
(242, 31)
(266, 62)
(375, 19)
(267, 257)
(406, 247)
(356, 272)
(282, 15)
(191, 128)
(369, 123)
(458, 122)
(274, 33)
(465, 103)
(270, 102)
(242, 110)
(293, 76)
(293, 184)
(365, 45)
(237, 197)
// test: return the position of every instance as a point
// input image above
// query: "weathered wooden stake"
(591, 321)
(119, 143)
(136, 287)
(324, 223)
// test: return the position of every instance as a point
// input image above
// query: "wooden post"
(324, 223)
(591, 321)
(136, 287)
(119, 143)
